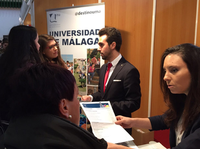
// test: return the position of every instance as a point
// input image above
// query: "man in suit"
(122, 87)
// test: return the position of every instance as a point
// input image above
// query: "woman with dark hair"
(4, 45)
(50, 50)
(180, 84)
(45, 111)
(22, 51)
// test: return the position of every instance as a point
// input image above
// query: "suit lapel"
(117, 69)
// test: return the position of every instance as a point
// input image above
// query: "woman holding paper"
(180, 84)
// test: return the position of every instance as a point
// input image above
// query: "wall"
(174, 24)
(42, 5)
(9, 17)
(198, 27)
(27, 20)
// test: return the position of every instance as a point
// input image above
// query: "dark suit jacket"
(190, 138)
(123, 88)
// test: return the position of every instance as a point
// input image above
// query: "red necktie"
(106, 76)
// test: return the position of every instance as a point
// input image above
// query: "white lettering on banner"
(87, 12)
(76, 41)
(74, 33)
(76, 29)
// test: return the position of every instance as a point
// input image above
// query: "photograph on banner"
(68, 60)
(93, 67)
(80, 74)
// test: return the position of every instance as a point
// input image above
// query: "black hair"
(113, 35)
(39, 89)
(20, 52)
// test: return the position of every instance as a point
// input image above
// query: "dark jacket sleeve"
(157, 122)
(97, 95)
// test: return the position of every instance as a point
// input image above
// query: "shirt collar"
(116, 60)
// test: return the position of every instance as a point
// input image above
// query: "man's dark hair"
(113, 35)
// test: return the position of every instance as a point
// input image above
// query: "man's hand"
(85, 98)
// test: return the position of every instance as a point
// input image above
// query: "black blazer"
(123, 88)
(190, 138)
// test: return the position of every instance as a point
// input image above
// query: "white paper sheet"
(102, 120)
(152, 145)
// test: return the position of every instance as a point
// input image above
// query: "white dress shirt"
(114, 64)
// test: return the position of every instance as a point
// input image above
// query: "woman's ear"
(63, 108)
